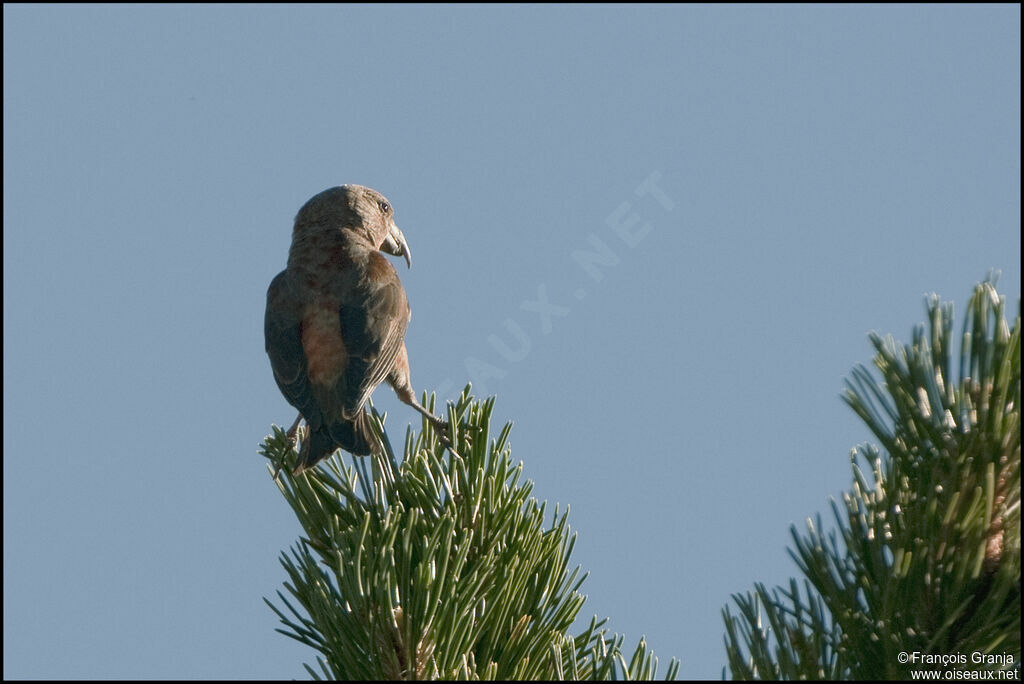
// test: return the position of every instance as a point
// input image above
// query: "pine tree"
(926, 560)
(438, 567)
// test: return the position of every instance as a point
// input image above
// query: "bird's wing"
(283, 336)
(373, 322)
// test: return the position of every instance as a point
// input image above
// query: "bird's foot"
(444, 433)
(443, 430)
(293, 431)
(441, 427)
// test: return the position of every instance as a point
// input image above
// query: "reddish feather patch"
(322, 342)
(379, 269)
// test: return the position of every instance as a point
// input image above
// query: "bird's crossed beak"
(394, 243)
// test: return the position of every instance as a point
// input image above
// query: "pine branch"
(927, 557)
(438, 567)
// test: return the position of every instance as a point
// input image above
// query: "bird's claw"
(444, 433)
(293, 431)
(441, 427)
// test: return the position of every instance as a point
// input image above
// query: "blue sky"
(765, 185)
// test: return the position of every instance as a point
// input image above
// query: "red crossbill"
(336, 319)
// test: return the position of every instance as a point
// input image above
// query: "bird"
(336, 319)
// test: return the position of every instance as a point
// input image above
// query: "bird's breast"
(326, 355)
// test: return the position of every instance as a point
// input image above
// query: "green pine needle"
(438, 567)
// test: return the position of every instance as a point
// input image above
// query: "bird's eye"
(384, 207)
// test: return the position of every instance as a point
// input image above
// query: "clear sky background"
(819, 170)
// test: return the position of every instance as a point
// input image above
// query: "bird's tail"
(364, 441)
(354, 436)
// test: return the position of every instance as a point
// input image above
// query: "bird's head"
(360, 209)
